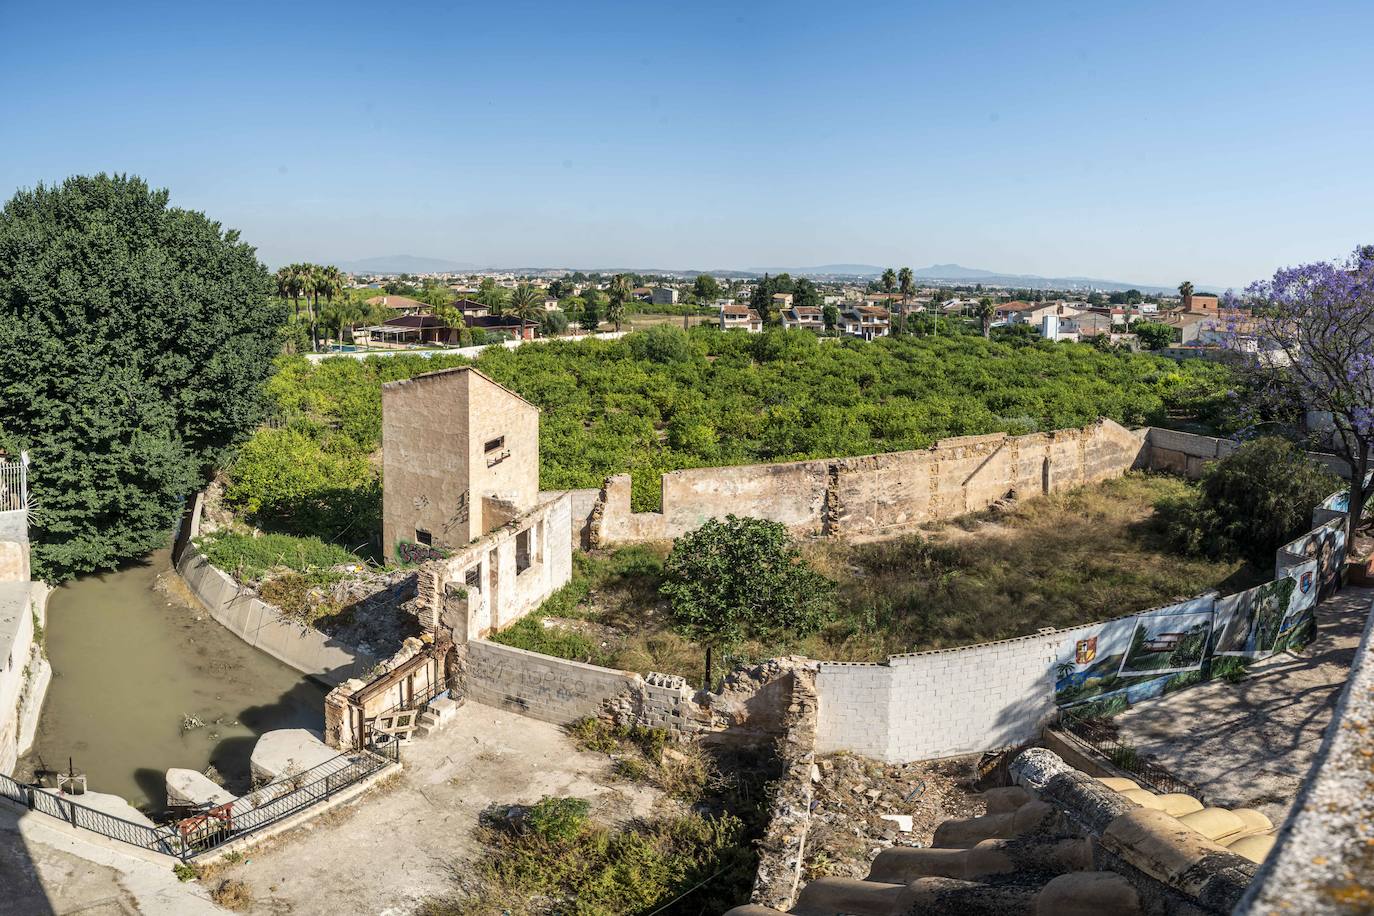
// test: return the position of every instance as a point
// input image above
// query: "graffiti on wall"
(415, 554)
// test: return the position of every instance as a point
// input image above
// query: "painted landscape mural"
(1103, 668)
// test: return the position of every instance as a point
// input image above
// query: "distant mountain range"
(956, 273)
(946, 273)
(404, 264)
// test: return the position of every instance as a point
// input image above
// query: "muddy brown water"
(144, 679)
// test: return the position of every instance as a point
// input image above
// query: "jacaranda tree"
(135, 338)
(1308, 338)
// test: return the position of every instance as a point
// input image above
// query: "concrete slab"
(288, 750)
(484, 756)
(187, 788)
(48, 868)
(1251, 744)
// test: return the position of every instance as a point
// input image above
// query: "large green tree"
(743, 578)
(134, 341)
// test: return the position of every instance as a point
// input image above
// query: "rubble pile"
(860, 807)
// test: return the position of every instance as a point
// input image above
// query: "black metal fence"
(213, 827)
(1103, 737)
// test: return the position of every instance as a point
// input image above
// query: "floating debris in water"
(190, 722)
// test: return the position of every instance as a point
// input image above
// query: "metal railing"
(1103, 737)
(206, 830)
(383, 723)
(280, 799)
(14, 484)
(44, 801)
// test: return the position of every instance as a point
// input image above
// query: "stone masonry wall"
(873, 495)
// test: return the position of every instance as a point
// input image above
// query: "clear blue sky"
(1146, 141)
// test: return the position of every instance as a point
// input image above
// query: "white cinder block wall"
(942, 703)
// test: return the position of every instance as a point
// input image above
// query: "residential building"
(804, 316)
(663, 295)
(403, 304)
(1035, 313)
(1200, 302)
(740, 317)
(865, 321)
(782, 301)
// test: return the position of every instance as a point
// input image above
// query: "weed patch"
(249, 557)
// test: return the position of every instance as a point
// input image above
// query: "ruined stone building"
(461, 498)
(461, 487)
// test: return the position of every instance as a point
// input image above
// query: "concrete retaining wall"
(874, 495)
(261, 626)
(941, 703)
(1186, 454)
(540, 686)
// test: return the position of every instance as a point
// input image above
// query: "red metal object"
(195, 827)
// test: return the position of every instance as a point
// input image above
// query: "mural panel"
(1170, 640)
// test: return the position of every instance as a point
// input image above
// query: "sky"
(1146, 142)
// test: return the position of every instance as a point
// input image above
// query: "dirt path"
(385, 853)
(1252, 743)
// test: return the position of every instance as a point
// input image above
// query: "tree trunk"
(706, 682)
(1358, 495)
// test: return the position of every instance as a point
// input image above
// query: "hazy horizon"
(1207, 142)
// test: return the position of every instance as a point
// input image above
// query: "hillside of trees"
(664, 399)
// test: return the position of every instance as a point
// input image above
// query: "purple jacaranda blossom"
(1306, 338)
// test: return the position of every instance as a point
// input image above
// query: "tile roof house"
(740, 317)
(399, 303)
(804, 316)
(865, 321)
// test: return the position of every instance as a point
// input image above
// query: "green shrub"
(1249, 503)
(558, 820)
(594, 871)
(530, 634)
(249, 557)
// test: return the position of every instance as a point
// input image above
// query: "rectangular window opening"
(424, 537)
(522, 551)
(495, 445)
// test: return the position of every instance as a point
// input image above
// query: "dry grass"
(232, 894)
(1089, 554)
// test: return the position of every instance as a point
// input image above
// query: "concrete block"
(286, 751)
(189, 789)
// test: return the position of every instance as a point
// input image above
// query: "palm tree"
(527, 304)
(1185, 289)
(986, 311)
(904, 280)
(454, 320)
(286, 287)
(889, 280)
(622, 291)
(343, 313)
